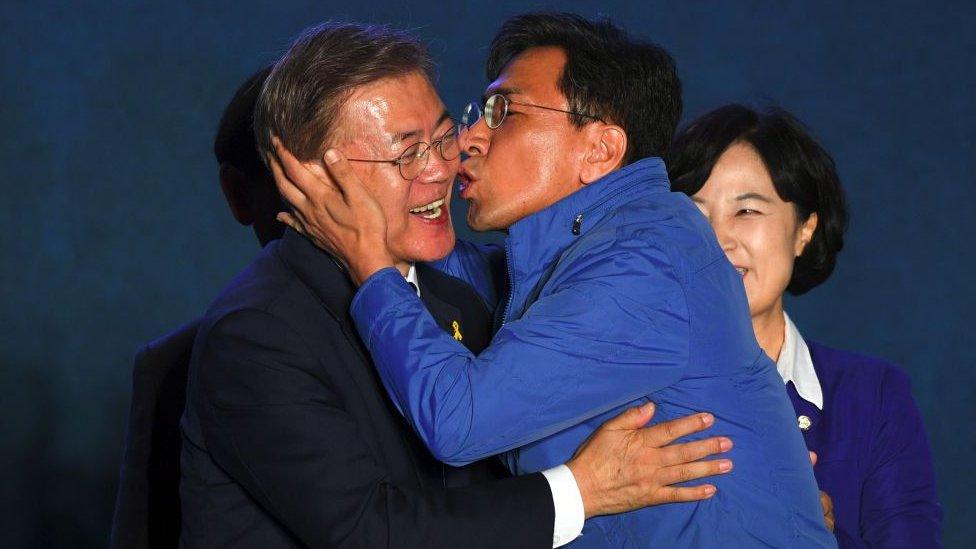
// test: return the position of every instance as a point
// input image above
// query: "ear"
(806, 234)
(605, 150)
(234, 184)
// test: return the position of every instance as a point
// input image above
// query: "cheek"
(772, 257)
(394, 202)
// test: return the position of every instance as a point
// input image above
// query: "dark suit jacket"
(289, 438)
(147, 507)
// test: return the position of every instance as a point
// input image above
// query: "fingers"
(671, 494)
(291, 193)
(826, 503)
(693, 451)
(344, 178)
(308, 178)
(828, 511)
(291, 221)
(667, 432)
(633, 418)
(693, 471)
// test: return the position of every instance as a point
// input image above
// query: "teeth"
(432, 214)
(742, 271)
(435, 204)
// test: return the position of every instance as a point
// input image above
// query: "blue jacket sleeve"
(600, 336)
(899, 504)
(480, 265)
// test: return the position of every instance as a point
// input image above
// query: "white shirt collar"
(796, 365)
(412, 278)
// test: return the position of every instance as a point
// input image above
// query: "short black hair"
(802, 173)
(628, 82)
(234, 142)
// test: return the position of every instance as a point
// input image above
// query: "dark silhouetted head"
(244, 178)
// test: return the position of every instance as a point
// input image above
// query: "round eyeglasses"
(495, 107)
(413, 161)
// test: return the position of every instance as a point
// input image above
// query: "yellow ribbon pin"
(457, 330)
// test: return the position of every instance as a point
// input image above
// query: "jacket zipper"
(511, 281)
(578, 220)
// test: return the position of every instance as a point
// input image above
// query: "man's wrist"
(567, 504)
(590, 506)
(366, 266)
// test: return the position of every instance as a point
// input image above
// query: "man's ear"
(234, 184)
(605, 153)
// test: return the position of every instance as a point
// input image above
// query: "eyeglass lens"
(414, 160)
(495, 109)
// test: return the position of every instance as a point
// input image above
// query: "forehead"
(739, 169)
(534, 72)
(390, 106)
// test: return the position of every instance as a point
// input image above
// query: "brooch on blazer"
(457, 330)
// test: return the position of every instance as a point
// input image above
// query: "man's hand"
(624, 466)
(333, 208)
(825, 502)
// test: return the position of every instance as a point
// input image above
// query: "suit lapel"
(447, 316)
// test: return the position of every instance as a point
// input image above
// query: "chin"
(433, 251)
(479, 222)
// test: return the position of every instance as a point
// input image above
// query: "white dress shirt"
(796, 365)
(566, 498)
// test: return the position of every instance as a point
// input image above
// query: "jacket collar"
(318, 270)
(327, 278)
(535, 243)
(558, 224)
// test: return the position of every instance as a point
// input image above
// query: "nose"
(724, 234)
(476, 139)
(437, 168)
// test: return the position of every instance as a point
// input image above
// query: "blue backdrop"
(114, 230)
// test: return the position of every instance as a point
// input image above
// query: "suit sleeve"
(899, 504)
(281, 431)
(601, 337)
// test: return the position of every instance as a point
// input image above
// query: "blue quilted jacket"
(616, 295)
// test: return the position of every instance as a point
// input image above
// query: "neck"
(770, 329)
(403, 267)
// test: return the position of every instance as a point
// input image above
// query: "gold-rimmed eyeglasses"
(413, 161)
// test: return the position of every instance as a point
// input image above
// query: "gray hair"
(303, 95)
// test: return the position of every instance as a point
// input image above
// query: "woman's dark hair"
(802, 173)
(609, 75)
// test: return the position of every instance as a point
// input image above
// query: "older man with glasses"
(614, 291)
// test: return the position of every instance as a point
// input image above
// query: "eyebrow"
(753, 196)
(502, 90)
(399, 137)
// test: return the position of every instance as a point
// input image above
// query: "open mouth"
(742, 271)
(432, 210)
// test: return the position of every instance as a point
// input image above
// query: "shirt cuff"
(568, 502)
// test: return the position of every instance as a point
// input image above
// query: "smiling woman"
(772, 194)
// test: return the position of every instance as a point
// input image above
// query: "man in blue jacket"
(613, 292)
